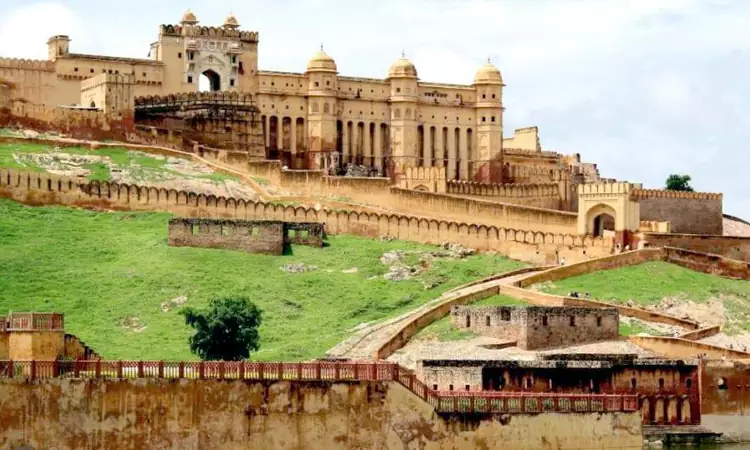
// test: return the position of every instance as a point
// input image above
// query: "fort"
(381, 158)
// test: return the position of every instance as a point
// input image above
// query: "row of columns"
(454, 153)
(363, 143)
(275, 135)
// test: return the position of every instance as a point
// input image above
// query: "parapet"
(27, 64)
(34, 322)
(210, 32)
(607, 188)
(638, 194)
(218, 97)
(105, 78)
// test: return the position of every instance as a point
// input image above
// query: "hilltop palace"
(333, 125)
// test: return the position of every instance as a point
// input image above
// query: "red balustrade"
(443, 402)
(35, 322)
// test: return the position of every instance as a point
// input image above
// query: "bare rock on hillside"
(351, 270)
(400, 273)
(132, 324)
(298, 268)
(387, 238)
(392, 257)
(174, 303)
(457, 250)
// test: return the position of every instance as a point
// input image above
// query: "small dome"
(189, 18)
(231, 21)
(321, 62)
(402, 68)
(488, 74)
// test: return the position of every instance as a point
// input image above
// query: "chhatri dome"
(231, 22)
(189, 18)
(402, 68)
(321, 62)
(488, 74)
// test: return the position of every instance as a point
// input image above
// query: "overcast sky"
(644, 88)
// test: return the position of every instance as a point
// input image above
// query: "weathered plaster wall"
(688, 212)
(249, 236)
(728, 246)
(192, 414)
(28, 345)
(725, 400)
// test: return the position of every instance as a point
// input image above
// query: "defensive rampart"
(294, 406)
(543, 248)
(728, 246)
(541, 195)
(687, 212)
(678, 348)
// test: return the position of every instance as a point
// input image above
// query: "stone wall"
(537, 247)
(250, 236)
(670, 347)
(539, 327)
(541, 195)
(237, 414)
(728, 246)
(687, 212)
(725, 402)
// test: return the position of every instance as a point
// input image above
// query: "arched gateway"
(607, 209)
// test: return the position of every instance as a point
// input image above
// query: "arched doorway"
(600, 220)
(209, 81)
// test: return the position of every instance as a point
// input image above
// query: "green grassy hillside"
(110, 273)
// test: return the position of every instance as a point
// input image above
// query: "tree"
(679, 183)
(227, 330)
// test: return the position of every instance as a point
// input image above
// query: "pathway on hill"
(368, 339)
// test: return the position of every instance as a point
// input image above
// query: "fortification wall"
(537, 247)
(540, 195)
(677, 348)
(239, 414)
(708, 263)
(728, 246)
(482, 211)
(30, 80)
(75, 348)
(687, 212)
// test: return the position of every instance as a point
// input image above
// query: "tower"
(322, 84)
(402, 76)
(57, 46)
(487, 164)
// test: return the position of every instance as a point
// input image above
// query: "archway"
(209, 81)
(600, 220)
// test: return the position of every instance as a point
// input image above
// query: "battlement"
(27, 64)
(209, 32)
(527, 152)
(607, 188)
(149, 62)
(503, 190)
(526, 130)
(638, 194)
(104, 78)
(219, 97)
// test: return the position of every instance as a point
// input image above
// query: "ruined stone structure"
(254, 236)
(539, 327)
(28, 336)
(670, 389)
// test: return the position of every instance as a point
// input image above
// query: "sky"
(643, 88)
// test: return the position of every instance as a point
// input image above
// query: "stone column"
(368, 145)
(344, 143)
(451, 155)
(267, 132)
(279, 133)
(463, 151)
(426, 146)
(355, 142)
(378, 143)
(293, 135)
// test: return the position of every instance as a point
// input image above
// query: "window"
(633, 383)
(661, 383)
(75, 69)
(144, 74)
(254, 231)
(505, 314)
(231, 81)
(398, 89)
(195, 229)
(234, 59)
(572, 321)
(434, 387)
(179, 55)
(722, 384)
(272, 83)
(224, 230)
(190, 78)
(484, 119)
(689, 383)
(487, 321)
(91, 70)
(527, 382)
(493, 95)
(468, 387)
(493, 118)
(484, 96)
(598, 321)
(544, 321)
(468, 321)
(304, 234)
(450, 387)
(292, 233)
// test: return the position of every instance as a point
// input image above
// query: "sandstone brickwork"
(687, 212)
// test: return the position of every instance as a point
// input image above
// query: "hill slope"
(112, 273)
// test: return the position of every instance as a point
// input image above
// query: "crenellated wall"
(687, 212)
(541, 195)
(526, 245)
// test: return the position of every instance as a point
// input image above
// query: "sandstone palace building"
(303, 116)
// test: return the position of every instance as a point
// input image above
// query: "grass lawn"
(142, 166)
(649, 283)
(100, 268)
(444, 331)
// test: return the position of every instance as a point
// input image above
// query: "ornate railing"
(443, 402)
(35, 322)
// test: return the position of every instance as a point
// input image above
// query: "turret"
(322, 84)
(488, 161)
(58, 46)
(402, 76)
